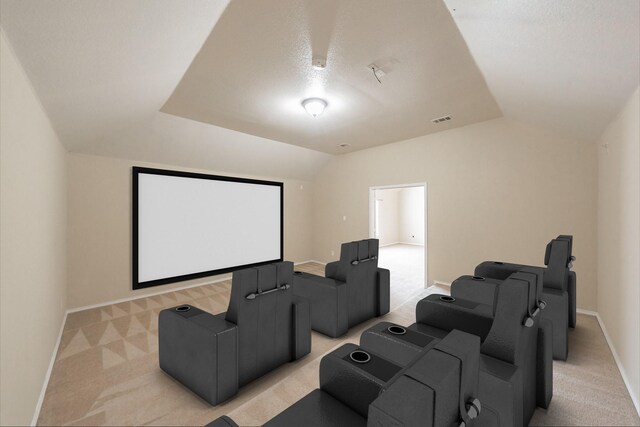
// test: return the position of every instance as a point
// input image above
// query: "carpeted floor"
(106, 370)
(406, 263)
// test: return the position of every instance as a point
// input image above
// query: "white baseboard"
(587, 312)
(310, 260)
(439, 283)
(135, 297)
(401, 243)
(34, 421)
(625, 378)
(389, 244)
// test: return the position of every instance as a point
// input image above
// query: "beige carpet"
(106, 370)
(406, 263)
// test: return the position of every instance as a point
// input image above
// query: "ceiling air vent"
(441, 119)
(343, 145)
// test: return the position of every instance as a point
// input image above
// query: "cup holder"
(360, 356)
(498, 262)
(447, 298)
(397, 330)
(477, 278)
(183, 308)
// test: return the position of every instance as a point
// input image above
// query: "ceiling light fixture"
(319, 63)
(314, 106)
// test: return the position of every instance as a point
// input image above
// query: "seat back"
(557, 258)
(360, 264)
(513, 337)
(260, 305)
(358, 267)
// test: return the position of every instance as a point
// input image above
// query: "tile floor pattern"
(106, 370)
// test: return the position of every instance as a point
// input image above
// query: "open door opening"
(398, 219)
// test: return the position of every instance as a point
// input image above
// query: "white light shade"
(314, 106)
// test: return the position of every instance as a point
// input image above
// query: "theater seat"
(515, 372)
(353, 291)
(264, 327)
(436, 389)
(559, 290)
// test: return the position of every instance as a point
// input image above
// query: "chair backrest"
(358, 269)
(354, 253)
(510, 339)
(260, 305)
(348, 255)
(557, 258)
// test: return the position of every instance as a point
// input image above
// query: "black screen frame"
(137, 170)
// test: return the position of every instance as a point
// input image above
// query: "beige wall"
(32, 242)
(99, 249)
(495, 190)
(411, 215)
(619, 239)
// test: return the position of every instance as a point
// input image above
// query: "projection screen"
(188, 225)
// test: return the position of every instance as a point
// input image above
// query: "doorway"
(397, 218)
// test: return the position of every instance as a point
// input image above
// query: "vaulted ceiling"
(565, 65)
(218, 84)
(255, 69)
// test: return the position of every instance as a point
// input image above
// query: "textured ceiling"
(99, 66)
(104, 70)
(255, 69)
(566, 65)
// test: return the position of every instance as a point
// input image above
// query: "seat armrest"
(199, 350)
(571, 288)
(356, 384)
(383, 301)
(544, 364)
(467, 316)
(331, 269)
(482, 291)
(498, 270)
(317, 409)
(301, 312)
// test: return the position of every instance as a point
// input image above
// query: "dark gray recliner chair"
(354, 290)
(437, 388)
(264, 327)
(515, 361)
(559, 291)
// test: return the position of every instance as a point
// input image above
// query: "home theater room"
(320, 213)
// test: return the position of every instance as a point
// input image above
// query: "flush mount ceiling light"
(314, 106)
(319, 63)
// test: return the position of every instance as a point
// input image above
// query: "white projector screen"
(188, 225)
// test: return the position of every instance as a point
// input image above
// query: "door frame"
(373, 219)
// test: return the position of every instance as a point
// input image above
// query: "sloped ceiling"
(105, 69)
(255, 69)
(102, 65)
(563, 64)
